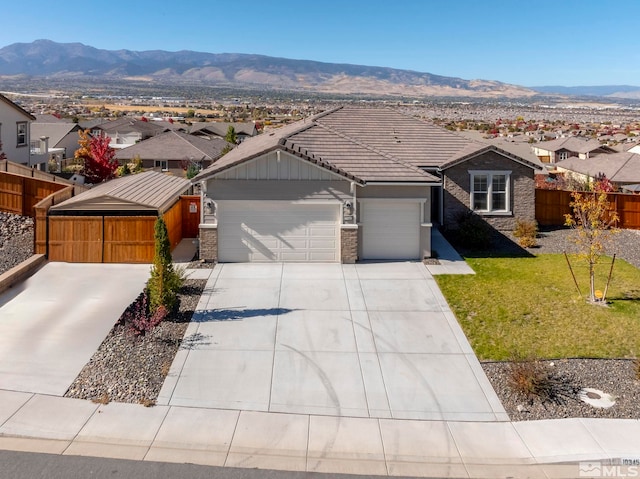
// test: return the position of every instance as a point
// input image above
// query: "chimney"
(44, 145)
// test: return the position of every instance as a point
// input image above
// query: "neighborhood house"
(355, 184)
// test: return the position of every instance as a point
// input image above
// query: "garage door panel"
(391, 230)
(278, 231)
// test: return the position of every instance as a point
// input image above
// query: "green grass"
(530, 307)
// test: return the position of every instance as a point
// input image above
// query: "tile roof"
(474, 150)
(174, 145)
(126, 125)
(150, 190)
(617, 167)
(399, 135)
(368, 144)
(572, 143)
(54, 131)
(221, 128)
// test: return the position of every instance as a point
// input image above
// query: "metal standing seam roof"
(150, 190)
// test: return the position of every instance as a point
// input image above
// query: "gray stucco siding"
(393, 191)
(285, 190)
(457, 194)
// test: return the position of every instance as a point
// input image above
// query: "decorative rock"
(596, 398)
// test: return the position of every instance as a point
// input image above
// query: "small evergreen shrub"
(165, 280)
(526, 232)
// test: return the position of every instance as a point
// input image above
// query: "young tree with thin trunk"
(593, 224)
(2, 154)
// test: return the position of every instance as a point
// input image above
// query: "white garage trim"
(273, 231)
(391, 228)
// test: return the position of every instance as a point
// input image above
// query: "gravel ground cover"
(617, 377)
(16, 240)
(131, 369)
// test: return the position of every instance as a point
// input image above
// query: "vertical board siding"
(11, 188)
(173, 220)
(75, 239)
(190, 221)
(128, 239)
(19, 194)
(552, 205)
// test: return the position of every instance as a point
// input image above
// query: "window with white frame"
(21, 139)
(563, 155)
(490, 191)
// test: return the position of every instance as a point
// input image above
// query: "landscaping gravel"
(16, 240)
(625, 244)
(131, 369)
(617, 377)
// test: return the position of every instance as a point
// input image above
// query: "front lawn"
(530, 307)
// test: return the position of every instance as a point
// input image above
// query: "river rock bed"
(16, 240)
(617, 377)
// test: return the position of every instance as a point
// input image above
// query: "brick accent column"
(209, 243)
(349, 243)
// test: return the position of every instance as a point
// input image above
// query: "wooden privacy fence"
(41, 210)
(552, 205)
(19, 194)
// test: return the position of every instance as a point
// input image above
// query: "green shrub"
(526, 231)
(165, 280)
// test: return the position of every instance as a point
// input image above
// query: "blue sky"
(539, 42)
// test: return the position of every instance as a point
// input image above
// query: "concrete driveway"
(52, 323)
(365, 340)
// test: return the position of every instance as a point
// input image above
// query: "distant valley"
(76, 62)
(44, 58)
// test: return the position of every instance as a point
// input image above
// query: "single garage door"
(390, 230)
(250, 231)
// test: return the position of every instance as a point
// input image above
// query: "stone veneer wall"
(209, 244)
(349, 245)
(457, 185)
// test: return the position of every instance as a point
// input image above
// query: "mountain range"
(45, 58)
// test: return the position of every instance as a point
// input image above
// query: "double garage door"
(278, 231)
(250, 231)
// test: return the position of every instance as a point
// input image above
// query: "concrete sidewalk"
(300, 442)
